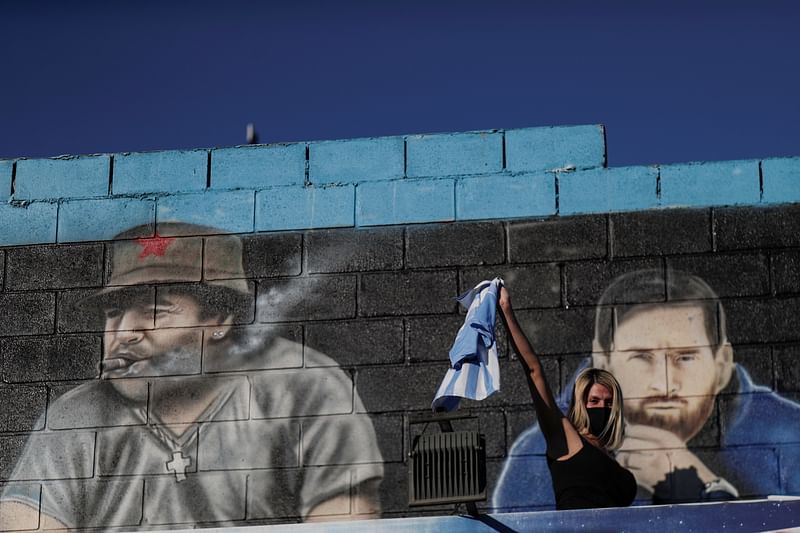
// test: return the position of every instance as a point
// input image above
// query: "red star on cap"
(154, 245)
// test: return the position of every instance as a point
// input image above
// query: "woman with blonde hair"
(584, 472)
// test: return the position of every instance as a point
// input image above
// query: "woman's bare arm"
(562, 439)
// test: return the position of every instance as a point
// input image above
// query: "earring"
(217, 334)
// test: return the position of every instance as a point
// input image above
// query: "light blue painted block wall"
(68, 177)
(258, 167)
(356, 160)
(32, 224)
(459, 176)
(604, 190)
(404, 201)
(713, 183)
(781, 179)
(6, 169)
(174, 171)
(284, 208)
(230, 211)
(505, 196)
(555, 148)
(89, 220)
(454, 153)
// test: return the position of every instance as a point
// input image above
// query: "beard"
(685, 423)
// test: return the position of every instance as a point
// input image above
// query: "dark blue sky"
(671, 80)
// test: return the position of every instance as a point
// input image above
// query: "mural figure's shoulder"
(283, 353)
(524, 483)
(319, 386)
(529, 442)
(758, 415)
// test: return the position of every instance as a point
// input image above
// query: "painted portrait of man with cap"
(198, 415)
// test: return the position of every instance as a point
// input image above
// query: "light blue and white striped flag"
(474, 370)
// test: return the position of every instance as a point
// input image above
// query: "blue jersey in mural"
(759, 444)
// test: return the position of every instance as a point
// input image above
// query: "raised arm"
(562, 439)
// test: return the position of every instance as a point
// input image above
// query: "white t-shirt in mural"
(272, 445)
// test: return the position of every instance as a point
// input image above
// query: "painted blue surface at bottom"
(740, 517)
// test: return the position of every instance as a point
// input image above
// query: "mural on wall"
(189, 448)
(673, 361)
(186, 376)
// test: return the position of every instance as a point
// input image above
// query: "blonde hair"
(612, 435)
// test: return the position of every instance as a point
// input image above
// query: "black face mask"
(598, 419)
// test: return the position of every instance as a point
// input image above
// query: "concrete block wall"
(355, 249)
(496, 174)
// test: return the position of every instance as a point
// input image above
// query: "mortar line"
(503, 148)
(208, 170)
(405, 157)
(58, 218)
(202, 351)
(355, 205)
(203, 242)
(110, 174)
(156, 202)
(3, 284)
(555, 181)
(712, 222)
(658, 185)
(307, 167)
(609, 237)
(13, 177)
(455, 199)
(254, 211)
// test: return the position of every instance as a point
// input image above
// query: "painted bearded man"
(675, 365)
(195, 420)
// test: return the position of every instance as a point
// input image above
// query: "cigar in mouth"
(107, 365)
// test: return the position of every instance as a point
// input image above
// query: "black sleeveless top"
(591, 479)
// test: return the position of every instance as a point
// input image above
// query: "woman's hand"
(504, 299)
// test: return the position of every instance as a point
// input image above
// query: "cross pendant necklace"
(179, 464)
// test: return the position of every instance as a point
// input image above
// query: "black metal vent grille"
(447, 468)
